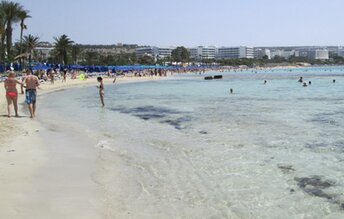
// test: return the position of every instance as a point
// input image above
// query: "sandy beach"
(32, 179)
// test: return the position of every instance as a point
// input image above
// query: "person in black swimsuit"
(101, 90)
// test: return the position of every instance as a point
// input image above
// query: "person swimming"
(304, 84)
(300, 80)
(231, 90)
(265, 82)
(309, 82)
(333, 81)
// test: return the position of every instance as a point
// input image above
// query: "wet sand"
(39, 179)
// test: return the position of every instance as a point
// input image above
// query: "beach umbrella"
(76, 67)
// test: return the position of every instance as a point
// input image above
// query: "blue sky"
(188, 22)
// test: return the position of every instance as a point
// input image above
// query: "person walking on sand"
(64, 75)
(101, 90)
(52, 76)
(32, 83)
(10, 85)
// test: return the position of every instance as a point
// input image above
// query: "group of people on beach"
(30, 82)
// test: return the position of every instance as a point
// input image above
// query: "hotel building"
(260, 53)
(321, 54)
(285, 53)
(202, 52)
(235, 52)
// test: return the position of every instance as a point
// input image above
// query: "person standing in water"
(32, 83)
(10, 85)
(101, 90)
(114, 78)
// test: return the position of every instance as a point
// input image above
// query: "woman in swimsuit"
(101, 90)
(10, 85)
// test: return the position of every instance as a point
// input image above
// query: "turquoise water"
(187, 148)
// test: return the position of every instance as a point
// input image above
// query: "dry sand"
(32, 176)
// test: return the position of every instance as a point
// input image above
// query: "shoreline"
(25, 157)
(33, 171)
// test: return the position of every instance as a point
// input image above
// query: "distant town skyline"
(188, 23)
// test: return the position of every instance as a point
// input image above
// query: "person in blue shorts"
(31, 85)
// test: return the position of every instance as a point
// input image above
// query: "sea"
(186, 147)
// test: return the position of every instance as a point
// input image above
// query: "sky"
(188, 22)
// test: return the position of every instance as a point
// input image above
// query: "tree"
(2, 33)
(91, 58)
(11, 11)
(337, 59)
(22, 15)
(125, 59)
(180, 54)
(30, 42)
(146, 60)
(76, 50)
(62, 46)
(265, 57)
(278, 59)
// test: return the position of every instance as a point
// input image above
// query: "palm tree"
(11, 11)
(30, 43)
(2, 34)
(62, 46)
(22, 15)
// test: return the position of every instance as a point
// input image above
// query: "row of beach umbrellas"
(114, 69)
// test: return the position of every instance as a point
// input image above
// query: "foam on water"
(186, 148)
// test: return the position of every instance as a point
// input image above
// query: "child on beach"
(101, 90)
(12, 93)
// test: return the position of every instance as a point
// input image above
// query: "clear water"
(187, 148)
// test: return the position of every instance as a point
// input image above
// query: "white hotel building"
(202, 52)
(285, 53)
(235, 52)
(321, 54)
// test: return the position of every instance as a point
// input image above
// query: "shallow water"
(187, 148)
